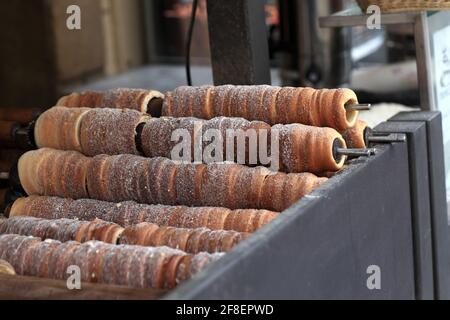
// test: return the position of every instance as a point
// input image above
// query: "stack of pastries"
(105, 195)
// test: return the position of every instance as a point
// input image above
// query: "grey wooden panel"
(420, 202)
(439, 208)
(321, 247)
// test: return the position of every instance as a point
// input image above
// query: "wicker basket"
(405, 5)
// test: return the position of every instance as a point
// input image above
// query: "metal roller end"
(4, 175)
(355, 153)
(359, 106)
(390, 138)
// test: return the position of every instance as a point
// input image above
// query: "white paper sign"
(441, 49)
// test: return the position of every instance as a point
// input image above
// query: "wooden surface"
(26, 59)
(39, 53)
(27, 288)
(23, 115)
(123, 35)
(354, 17)
(6, 133)
(79, 53)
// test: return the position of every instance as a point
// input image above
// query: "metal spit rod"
(389, 138)
(359, 106)
(356, 152)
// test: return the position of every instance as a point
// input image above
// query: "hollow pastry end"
(153, 103)
(350, 114)
(338, 158)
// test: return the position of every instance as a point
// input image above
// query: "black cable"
(189, 42)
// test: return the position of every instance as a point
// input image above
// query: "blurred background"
(141, 44)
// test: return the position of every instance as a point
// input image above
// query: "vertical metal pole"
(424, 65)
(239, 43)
